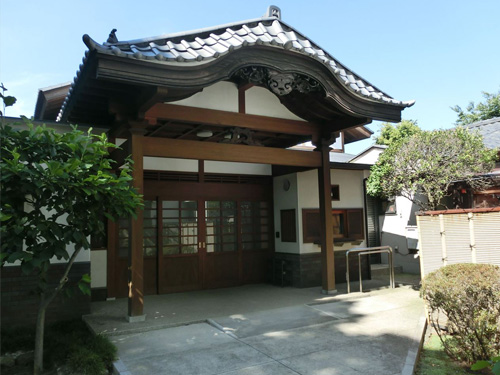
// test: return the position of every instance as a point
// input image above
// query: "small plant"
(465, 298)
(494, 364)
(85, 361)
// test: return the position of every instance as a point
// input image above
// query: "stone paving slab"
(256, 323)
(193, 349)
(355, 334)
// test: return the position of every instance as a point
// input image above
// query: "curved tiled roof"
(489, 129)
(205, 45)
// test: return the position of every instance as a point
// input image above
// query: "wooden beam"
(231, 119)
(165, 147)
(136, 261)
(325, 211)
(241, 100)
(150, 98)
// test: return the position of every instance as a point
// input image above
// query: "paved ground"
(286, 331)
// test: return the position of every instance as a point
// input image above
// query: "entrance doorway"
(192, 244)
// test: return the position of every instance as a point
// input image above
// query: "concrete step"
(383, 269)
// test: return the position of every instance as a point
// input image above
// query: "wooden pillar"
(325, 211)
(136, 259)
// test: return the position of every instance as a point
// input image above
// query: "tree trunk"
(40, 327)
(40, 320)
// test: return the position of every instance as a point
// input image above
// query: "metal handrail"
(368, 251)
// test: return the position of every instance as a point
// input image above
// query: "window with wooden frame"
(288, 226)
(335, 192)
(221, 224)
(255, 225)
(99, 241)
(179, 227)
(150, 230)
(347, 225)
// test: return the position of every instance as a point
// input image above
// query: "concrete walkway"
(262, 329)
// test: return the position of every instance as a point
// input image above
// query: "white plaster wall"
(237, 168)
(350, 184)
(98, 268)
(339, 142)
(285, 200)
(370, 157)
(83, 255)
(170, 164)
(120, 141)
(222, 96)
(351, 196)
(394, 233)
(260, 101)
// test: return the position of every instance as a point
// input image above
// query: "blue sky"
(440, 53)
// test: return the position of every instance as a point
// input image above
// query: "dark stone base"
(98, 294)
(19, 301)
(304, 270)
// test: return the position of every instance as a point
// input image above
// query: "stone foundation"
(304, 270)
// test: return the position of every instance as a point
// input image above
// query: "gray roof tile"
(490, 130)
(211, 43)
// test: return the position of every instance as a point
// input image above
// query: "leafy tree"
(490, 108)
(55, 188)
(6, 99)
(427, 163)
(390, 133)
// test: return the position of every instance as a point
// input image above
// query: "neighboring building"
(469, 232)
(463, 195)
(396, 221)
(210, 118)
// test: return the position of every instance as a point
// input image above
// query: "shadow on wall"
(402, 255)
(399, 230)
(412, 220)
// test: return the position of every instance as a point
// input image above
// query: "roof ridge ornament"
(112, 37)
(273, 12)
(279, 83)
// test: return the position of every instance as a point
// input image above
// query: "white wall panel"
(286, 200)
(98, 267)
(222, 96)
(170, 164)
(260, 101)
(237, 168)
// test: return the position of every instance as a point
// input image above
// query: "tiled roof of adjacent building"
(205, 45)
(490, 130)
(341, 157)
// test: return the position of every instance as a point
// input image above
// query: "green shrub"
(102, 345)
(465, 298)
(85, 361)
(68, 342)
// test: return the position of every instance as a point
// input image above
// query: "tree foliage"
(427, 163)
(6, 99)
(55, 188)
(390, 133)
(490, 108)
